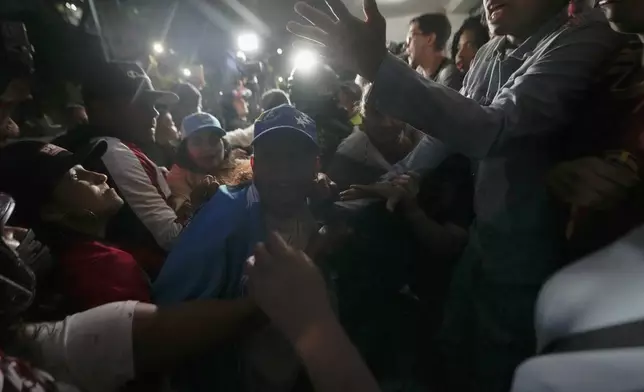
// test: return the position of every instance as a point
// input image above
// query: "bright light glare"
(279, 51)
(305, 59)
(248, 42)
(221, 93)
(280, 79)
(73, 7)
(241, 55)
(158, 48)
(186, 72)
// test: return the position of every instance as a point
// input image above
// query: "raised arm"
(291, 291)
(538, 101)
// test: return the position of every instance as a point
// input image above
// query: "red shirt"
(93, 274)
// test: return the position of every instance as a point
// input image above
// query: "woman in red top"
(69, 207)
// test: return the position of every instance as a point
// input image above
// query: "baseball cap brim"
(159, 97)
(285, 128)
(90, 154)
(212, 128)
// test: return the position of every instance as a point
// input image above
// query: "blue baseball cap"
(199, 121)
(285, 117)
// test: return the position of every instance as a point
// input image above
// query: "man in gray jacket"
(524, 90)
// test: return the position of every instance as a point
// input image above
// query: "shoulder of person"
(450, 75)
(449, 67)
(357, 138)
(180, 174)
(112, 143)
(242, 165)
(489, 48)
(588, 26)
(92, 250)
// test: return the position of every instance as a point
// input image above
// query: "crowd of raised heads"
(465, 216)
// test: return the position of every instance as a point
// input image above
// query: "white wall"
(397, 27)
(399, 15)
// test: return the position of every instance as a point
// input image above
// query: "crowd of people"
(471, 223)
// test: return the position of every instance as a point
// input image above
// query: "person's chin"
(114, 199)
(623, 24)
(499, 29)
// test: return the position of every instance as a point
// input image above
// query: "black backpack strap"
(624, 335)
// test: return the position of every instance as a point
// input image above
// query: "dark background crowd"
(460, 212)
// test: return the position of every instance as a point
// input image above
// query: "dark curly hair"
(474, 24)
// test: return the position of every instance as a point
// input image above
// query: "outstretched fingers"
(315, 16)
(310, 33)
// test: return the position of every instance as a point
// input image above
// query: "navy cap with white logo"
(285, 117)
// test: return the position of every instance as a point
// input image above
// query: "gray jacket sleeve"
(451, 77)
(538, 100)
(427, 155)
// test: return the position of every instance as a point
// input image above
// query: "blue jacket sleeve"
(198, 266)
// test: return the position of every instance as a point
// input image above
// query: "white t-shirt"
(603, 289)
(91, 350)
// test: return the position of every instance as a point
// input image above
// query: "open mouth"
(495, 11)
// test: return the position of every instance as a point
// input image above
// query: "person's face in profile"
(166, 130)
(417, 43)
(467, 49)
(135, 120)
(625, 16)
(81, 191)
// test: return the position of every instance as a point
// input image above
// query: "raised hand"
(204, 191)
(358, 45)
(288, 287)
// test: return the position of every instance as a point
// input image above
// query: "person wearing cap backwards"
(204, 152)
(69, 207)
(208, 259)
(120, 102)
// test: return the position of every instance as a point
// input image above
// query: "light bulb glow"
(305, 59)
(248, 42)
(158, 48)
